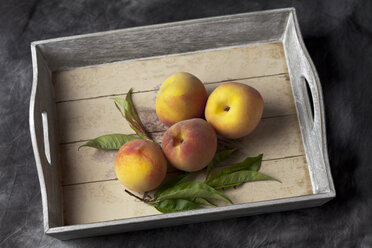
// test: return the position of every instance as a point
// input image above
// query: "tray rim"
(162, 25)
(130, 223)
(61, 231)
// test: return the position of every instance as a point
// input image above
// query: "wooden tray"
(75, 77)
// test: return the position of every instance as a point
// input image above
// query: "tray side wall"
(163, 39)
(312, 124)
(181, 218)
(44, 140)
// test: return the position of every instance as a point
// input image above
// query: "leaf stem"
(135, 196)
(148, 201)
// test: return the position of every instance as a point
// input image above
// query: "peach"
(190, 145)
(182, 96)
(140, 165)
(234, 109)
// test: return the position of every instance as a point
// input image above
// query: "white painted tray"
(74, 78)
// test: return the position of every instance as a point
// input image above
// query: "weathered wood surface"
(85, 111)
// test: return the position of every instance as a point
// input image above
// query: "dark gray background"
(338, 35)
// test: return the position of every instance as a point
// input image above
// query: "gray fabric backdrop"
(338, 35)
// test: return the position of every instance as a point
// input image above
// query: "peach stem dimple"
(177, 141)
(226, 108)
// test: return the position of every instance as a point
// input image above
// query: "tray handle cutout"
(44, 118)
(308, 100)
(309, 89)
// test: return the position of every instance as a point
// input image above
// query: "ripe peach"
(234, 109)
(190, 145)
(140, 165)
(182, 96)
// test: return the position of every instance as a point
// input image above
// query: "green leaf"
(172, 182)
(141, 135)
(203, 201)
(236, 178)
(131, 109)
(218, 158)
(109, 141)
(250, 163)
(130, 114)
(192, 190)
(175, 205)
(121, 102)
(230, 185)
(124, 104)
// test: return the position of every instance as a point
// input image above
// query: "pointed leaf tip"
(237, 178)
(109, 141)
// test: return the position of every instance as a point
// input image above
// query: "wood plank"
(103, 201)
(87, 119)
(274, 137)
(149, 73)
